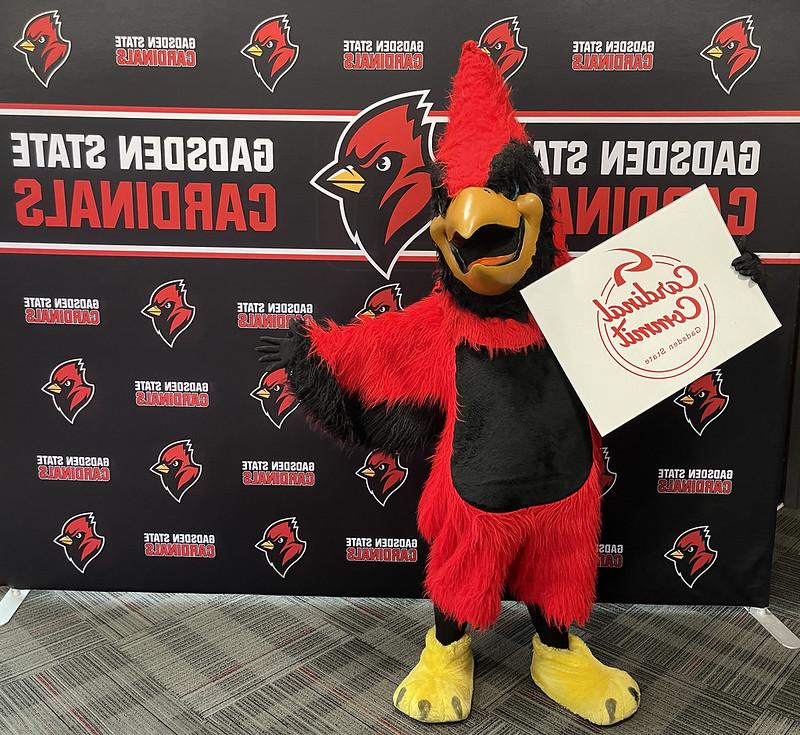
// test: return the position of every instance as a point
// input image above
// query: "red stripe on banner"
(144, 252)
(433, 113)
(253, 255)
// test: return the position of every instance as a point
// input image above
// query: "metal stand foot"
(774, 627)
(12, 599)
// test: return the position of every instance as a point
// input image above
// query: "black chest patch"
(522, 436)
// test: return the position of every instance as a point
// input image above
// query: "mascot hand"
(748, 263)
(277, 351)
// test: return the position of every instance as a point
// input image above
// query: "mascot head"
(492, 220)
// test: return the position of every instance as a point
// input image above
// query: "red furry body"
(545, 554)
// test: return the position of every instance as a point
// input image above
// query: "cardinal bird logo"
(380, 177)
(703, 401)
(692, 555)
(43, 46)
(383, 474)
(177, 469)
(282, 545)
(381, 301)
(608, 478)
(69, 389)
(80, 540)
(271, 51)
(275, 396)
(732, 52)
(170, 312)
(501, 40)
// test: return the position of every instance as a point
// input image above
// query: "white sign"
(653, 308)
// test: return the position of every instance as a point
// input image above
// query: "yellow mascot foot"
(439, 687)
(575, 679)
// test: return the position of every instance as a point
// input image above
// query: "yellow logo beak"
(347, 178)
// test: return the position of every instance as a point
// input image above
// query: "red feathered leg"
(556, 572)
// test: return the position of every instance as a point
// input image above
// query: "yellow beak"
(713, 51)
(366, 472)
(153, 310)
(53, 388)
(347, 178)
(65, 540)
(25, 45)
(686, 400)
(267, 545)
(262, 393)
(471, 209)
(367, 313)
(676, 554)
(253, 51)
(474, 207)
(162, 468)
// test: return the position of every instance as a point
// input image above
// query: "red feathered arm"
(379, 382)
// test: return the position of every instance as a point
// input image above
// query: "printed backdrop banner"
(181, 179)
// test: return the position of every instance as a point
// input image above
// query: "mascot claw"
(439, 687)
(576, 680)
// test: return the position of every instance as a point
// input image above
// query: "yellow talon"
(575, 679)
(439, 687)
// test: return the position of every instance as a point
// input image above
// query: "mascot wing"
(379, 383)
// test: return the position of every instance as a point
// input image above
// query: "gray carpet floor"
(102, 663)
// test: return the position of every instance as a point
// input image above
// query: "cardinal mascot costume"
(512, 502)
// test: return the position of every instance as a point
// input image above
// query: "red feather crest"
(481, 121)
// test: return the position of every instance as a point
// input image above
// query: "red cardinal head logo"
(703, 400)
(275, 396)
(43, 46)
(169, 311)
(381, 301)
(380, 176)
(692, 555)
(732, 52)
(608, 478)
(80, 540)
(177, 469)
(501, 40)
(69, 389)
(383, 474)
(282, 546)
(271, 51)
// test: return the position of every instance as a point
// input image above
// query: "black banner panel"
(173, 189)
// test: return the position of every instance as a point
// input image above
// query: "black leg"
(447, 630)
(550, 635)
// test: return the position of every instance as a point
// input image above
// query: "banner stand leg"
(774, 627)
(11, 601)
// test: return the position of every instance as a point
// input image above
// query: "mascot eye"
(41, 39)
(382, 466)
(169, 305)
(175, 463)
(269, 44)
(281, 540)
(384, 163)
(498, 46)
(732, 44)
(382, 309)
(278, 388)
(79, 535)
(68, 383)
(692, 549)
(702, 394)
